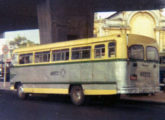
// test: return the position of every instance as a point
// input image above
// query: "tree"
(20, 42)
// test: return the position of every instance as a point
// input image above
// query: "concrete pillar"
(60, 20)
(44, 21)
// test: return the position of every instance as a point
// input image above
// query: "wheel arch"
(17, 84)
(71, 85)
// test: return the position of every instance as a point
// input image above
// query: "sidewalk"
(6, 87)
(157, 98)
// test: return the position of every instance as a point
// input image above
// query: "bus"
(110, 65)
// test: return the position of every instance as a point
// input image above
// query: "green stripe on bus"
(85, 82)
(74, 62)
(91, 61)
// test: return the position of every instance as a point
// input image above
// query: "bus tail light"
(133, 77)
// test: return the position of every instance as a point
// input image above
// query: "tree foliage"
(20, 42)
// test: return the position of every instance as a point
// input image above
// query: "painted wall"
(149, 23)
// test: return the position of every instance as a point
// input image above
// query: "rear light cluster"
(133, 77)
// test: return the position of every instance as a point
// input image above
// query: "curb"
(6, 90)
(143, 101)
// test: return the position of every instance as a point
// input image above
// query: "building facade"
(149, 23)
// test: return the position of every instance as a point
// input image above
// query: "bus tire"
(20, 92)
(77, 95)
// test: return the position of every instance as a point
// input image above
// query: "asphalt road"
(60, 108)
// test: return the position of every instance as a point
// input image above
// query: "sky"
(32, 35)
(163, 13)
(103, 15)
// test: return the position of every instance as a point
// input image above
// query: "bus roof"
(136, 39)
(132, 39)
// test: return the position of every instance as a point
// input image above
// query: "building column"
(44, 21)
(60, 21)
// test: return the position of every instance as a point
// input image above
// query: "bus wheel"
(20, 92)
(77, 95)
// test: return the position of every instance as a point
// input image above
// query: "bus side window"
(60, 55)
(81, 52)
(26, 58)
(21, 59)
(42, 57)
(111, 49)
(99, 51)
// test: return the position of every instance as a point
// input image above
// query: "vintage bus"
(111, 65)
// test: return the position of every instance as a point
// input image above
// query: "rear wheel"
(77, 95)
(20, 92)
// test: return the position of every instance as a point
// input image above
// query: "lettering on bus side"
(61, 73)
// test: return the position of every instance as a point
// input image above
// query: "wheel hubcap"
(77, 95)
(20, 91)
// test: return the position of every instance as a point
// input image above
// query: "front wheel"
(77, 95)
(21, 93)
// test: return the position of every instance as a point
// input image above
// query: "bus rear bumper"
(138, 90)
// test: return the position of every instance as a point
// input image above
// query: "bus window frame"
(59, 48)
(40, 52)
(52, 51)
(105, 50)
(81, 46)
(18, 61)
(134, 45)
(115, 49)
(156, 51)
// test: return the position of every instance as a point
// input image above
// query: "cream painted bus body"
(97, 76)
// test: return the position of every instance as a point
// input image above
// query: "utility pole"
(5, 50)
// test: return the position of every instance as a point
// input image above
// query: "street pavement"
(60, 108)
(5, 86)
(156, 98)
(43, 107)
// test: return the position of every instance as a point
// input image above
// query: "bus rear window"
(136, 52)
(152, 54)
